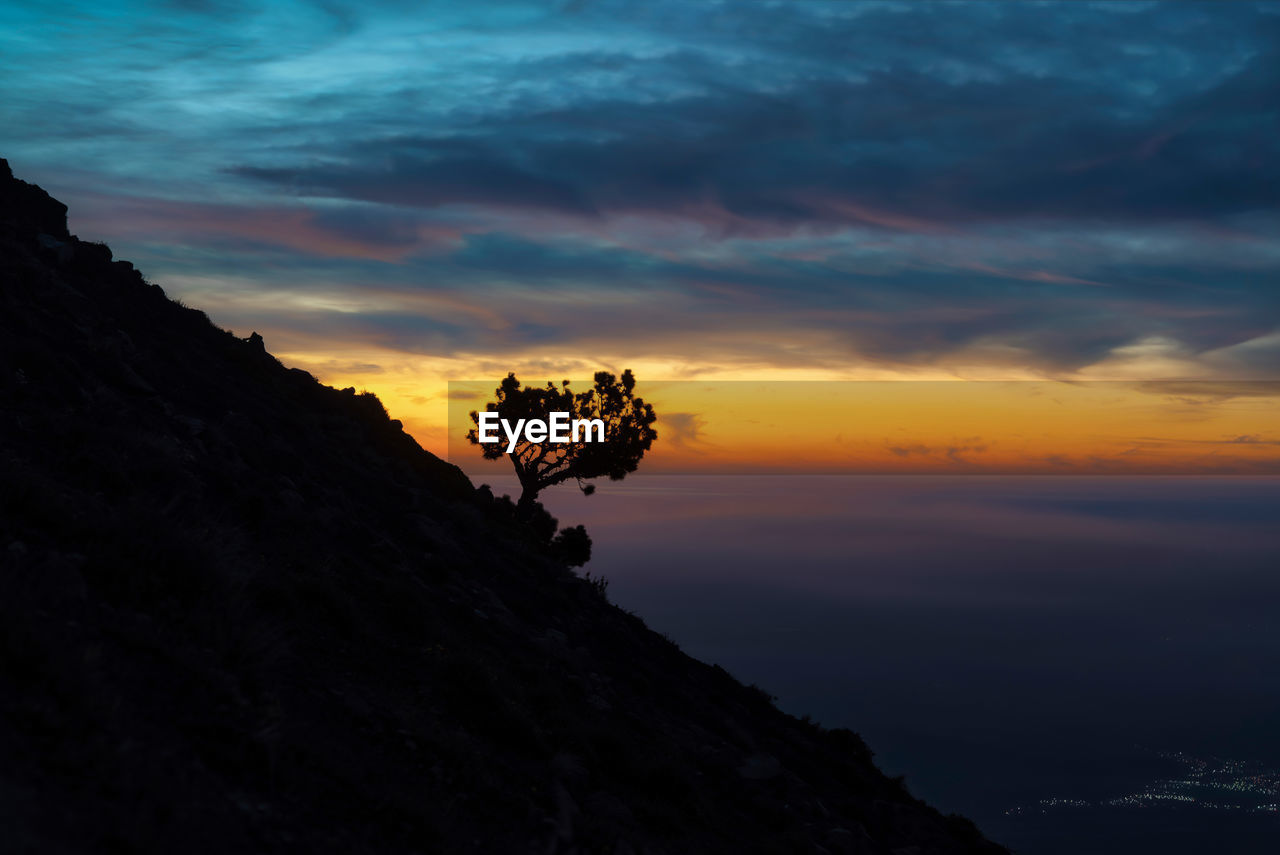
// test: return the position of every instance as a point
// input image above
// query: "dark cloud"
(421, 176)
(899, 146)
(1049, 186)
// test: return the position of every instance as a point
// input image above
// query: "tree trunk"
(528, 498)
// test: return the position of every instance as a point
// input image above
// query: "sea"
(1083, 665)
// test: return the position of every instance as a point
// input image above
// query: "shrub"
(573, 546)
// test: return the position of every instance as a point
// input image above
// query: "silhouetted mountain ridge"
(243, 611)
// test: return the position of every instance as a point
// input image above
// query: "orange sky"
(945, 426)
(866, 418)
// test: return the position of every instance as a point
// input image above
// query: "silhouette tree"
(628, 433)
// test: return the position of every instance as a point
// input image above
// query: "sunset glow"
(1014, 427)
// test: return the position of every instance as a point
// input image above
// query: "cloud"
(350, 231)
(1086, 189)
(681, 430)
(956, 453)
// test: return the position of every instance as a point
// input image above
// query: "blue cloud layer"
(1043, 185)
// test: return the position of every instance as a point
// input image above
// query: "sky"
(401, 194)
(973, 427)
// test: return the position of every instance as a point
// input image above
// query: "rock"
(760, 767)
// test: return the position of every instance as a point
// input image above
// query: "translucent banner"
(928, 427)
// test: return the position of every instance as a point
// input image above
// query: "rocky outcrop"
(26, 211)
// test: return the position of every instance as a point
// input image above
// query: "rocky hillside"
(241, 611)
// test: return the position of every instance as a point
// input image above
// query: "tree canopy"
(628, 432)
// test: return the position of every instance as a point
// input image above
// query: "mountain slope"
(242, 611)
